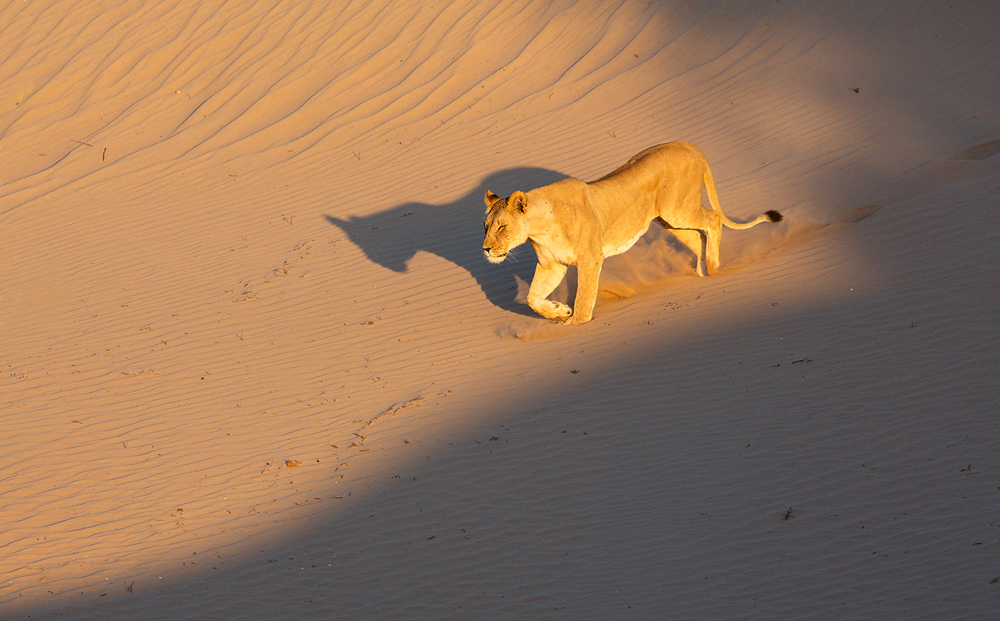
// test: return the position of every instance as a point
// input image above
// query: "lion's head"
(506, 225)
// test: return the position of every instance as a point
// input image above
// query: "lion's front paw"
(557, 311)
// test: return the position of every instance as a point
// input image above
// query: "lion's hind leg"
(713, 235)
(544, 283)
(701, 233)
(695, 241)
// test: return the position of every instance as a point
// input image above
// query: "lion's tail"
(713, 197)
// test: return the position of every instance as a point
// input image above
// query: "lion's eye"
(501, 227)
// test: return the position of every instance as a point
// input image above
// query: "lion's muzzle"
(492, 258)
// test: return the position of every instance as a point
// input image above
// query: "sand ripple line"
(360, 433)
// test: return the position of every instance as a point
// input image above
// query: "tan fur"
(574, 223)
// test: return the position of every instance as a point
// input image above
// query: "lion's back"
(655, 159)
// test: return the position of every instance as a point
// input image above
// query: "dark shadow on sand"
(453, 231)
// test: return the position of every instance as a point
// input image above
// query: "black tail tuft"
(773, 215)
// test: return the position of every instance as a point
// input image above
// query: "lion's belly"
(611, 250)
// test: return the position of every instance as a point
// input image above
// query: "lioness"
(571, 222)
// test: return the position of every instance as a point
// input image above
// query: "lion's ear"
(490, 199)
(518, 201)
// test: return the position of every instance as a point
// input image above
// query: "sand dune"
(253, 363)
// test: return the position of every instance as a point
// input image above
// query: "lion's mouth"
(494, 258)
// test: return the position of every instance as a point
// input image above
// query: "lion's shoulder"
(562, 199)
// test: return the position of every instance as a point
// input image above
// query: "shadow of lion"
(453, 231)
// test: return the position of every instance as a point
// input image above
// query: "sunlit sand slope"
(253, 363)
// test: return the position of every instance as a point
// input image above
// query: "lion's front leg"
(588, 274)
(544, 283)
